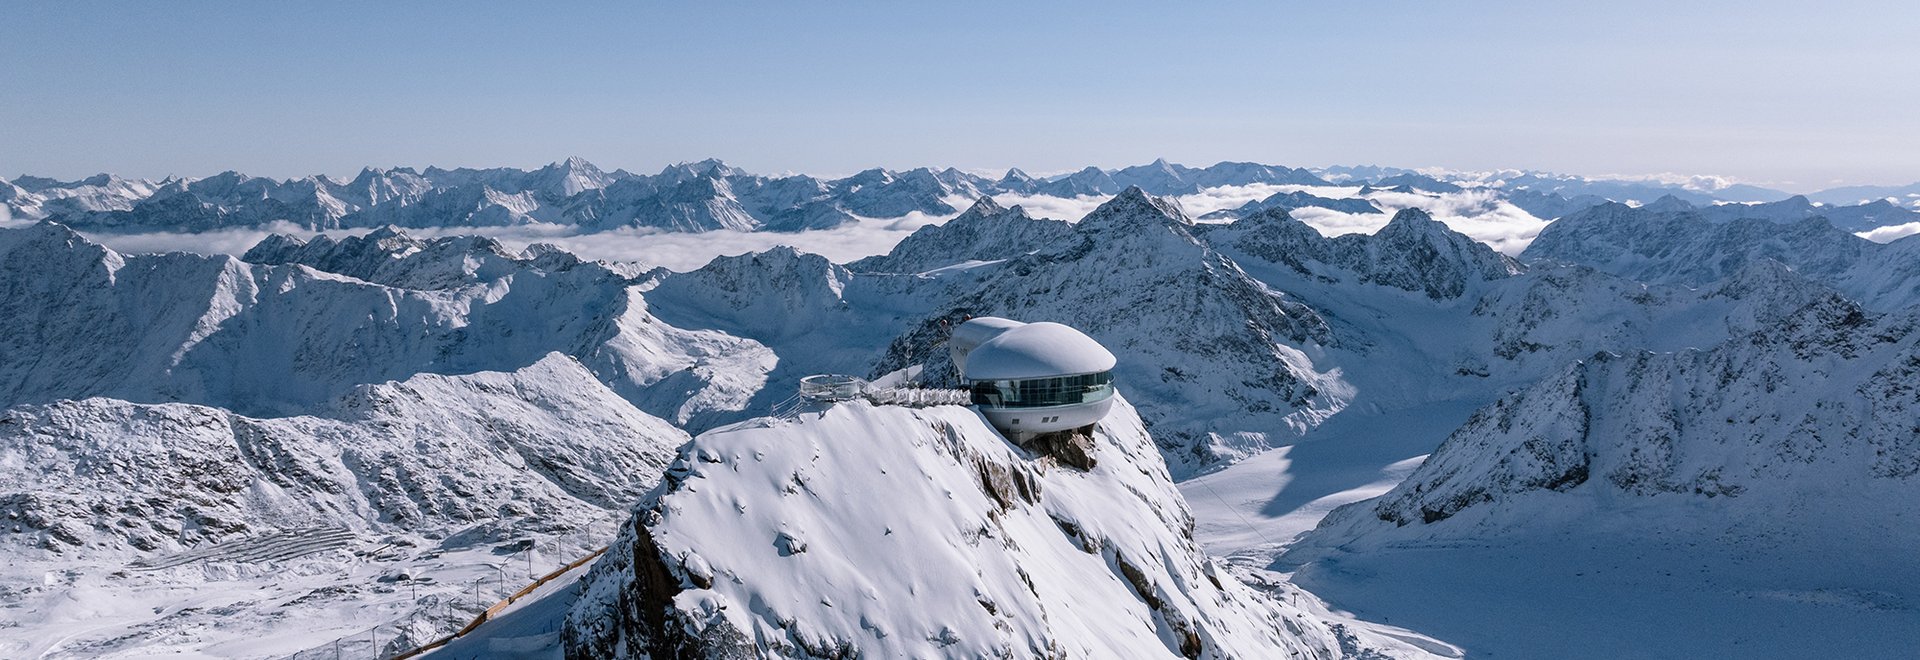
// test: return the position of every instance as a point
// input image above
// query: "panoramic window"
(1043, 392)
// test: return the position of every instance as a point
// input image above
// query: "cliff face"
(892, 532)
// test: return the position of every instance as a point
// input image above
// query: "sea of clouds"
(1475, 212)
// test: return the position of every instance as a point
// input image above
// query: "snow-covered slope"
(1852, 218)
(1680, 245)
(1294, 200)
(83, 321)
(1749, 500)
(544, 447)
(868, 531)
(1219, 358)
(1413, 252)
(391, 257)
(137, 529)
(1700, 424)
(985, 232)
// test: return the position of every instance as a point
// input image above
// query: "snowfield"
(894, 532)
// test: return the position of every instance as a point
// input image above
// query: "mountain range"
(710, 195)
(450, 401)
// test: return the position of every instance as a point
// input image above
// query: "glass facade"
(1043, 392)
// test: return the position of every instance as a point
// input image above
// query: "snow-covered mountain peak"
(772, 294)
(1134, 274)
(1668, 204)
(985, 205)
(1133, 209)
(390, 256)
(806, 538)
(985, 232)
(430, 455)
(1413, 252)
(568, 178)
(1608, 433)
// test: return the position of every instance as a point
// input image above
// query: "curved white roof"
(1037, 350)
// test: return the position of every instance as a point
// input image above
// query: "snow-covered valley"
(1679, 417)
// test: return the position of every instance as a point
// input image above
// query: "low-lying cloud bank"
(674, 250)
(1475, 212)
(1890, 232)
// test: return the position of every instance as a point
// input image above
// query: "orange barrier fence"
(488, 614)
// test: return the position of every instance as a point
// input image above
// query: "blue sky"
(1801, 95)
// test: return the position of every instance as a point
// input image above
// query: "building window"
(1043, 392)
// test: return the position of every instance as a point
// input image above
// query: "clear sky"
(1796, 94)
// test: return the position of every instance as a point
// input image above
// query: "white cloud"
(1890, 232)
(1228, 197)
(676, 251)
(226, 241)
(687, 251)
(1070, 209)
(1476, 213)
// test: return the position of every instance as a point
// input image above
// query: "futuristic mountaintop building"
(1030, 378)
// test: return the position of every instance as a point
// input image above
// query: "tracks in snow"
(266, 547)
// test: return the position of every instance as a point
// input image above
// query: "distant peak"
(985, 206)
(1015, 174)
(1412, 216)
(1669, 202)
(386, 232)
(1135, 203)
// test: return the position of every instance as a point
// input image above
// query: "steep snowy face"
(1552, 316)
(566, 178)
(1416, 253)
(1212, 354)
(1416, 181)
(868, 531)
(701, 203)
(545, 447)
(78, 320)
(1089, 181)
(1855, 218)
(1685, 248)
(877, 193)
(1016, 181)
(229, 199)
(1819, 411)
(36, 198)
(985, 232)
(1413, 252)
(1294, 200)
(373, 187)
(468, 205)
(1549, 205)
(391, 257)
(1160, 176)
(770, 295)
(1229, 173)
